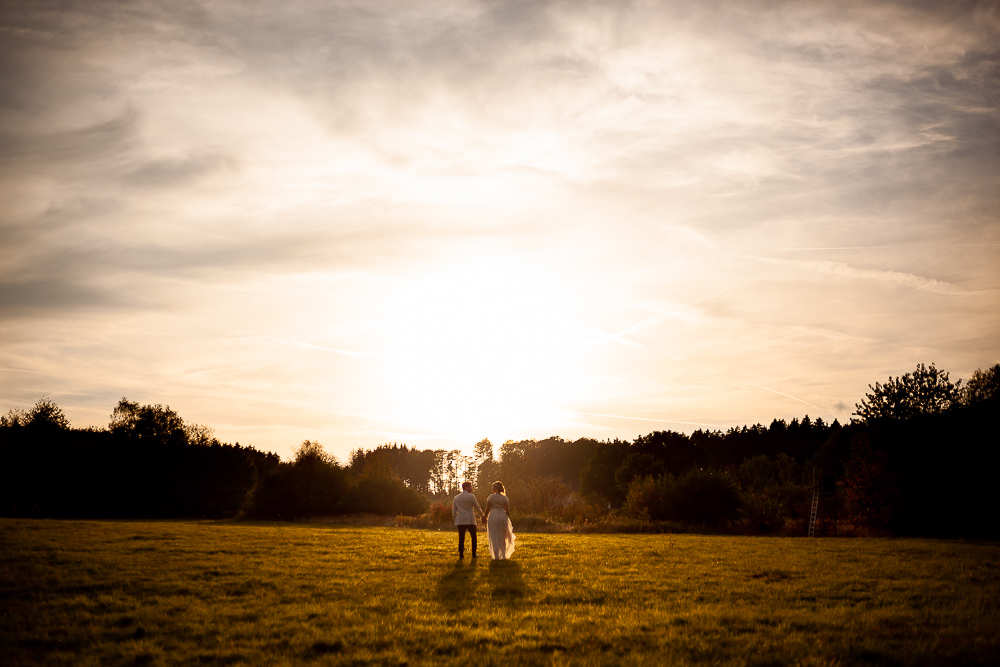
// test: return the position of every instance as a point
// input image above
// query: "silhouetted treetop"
(925, 391)
(147, 423)
(44, 415)
(983, 386)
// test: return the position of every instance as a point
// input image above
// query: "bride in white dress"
(499, 530)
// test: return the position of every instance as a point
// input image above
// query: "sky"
(429, 223)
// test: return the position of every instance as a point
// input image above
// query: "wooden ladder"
(813, 513)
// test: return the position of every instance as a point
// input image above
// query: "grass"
(207, 593)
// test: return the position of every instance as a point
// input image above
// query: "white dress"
(499, 530)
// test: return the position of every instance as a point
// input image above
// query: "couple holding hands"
(499, 530)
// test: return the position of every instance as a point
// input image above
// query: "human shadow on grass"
(456, 587)
(506, 582)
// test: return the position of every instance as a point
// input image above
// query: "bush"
(577, 510)
(536, 524)
(440, 513)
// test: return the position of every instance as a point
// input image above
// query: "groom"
(464, 509)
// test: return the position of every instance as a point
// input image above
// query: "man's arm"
(453, 511)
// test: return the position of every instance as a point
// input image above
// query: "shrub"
(577, 510)
(440, 513)
(536, 524)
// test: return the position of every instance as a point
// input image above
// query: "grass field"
(204, 593)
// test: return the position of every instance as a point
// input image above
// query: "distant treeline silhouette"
(918, 459)
(148, 463)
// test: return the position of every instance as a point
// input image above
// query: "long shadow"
(506, 582)
(456, 587)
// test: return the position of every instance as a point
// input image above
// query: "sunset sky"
(436, 222)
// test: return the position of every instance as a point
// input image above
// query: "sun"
(481, 348)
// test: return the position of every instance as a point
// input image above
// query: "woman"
(499, 531)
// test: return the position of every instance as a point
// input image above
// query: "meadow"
(218, 593)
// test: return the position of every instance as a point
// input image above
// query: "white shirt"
(463, 509)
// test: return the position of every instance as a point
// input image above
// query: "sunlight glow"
(481, 348)
(456, 190)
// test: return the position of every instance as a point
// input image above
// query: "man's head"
(467, 487)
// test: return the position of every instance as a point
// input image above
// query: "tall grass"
(139, 593)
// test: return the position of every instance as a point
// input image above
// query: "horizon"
(469, 450)
(432, 224)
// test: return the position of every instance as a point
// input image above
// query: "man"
(464, 510)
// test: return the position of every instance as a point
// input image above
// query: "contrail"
(660, 317)
(607, 337)
(619, 337)
(781, 393)
(893, 277)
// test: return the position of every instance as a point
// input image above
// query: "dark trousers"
(461, 538)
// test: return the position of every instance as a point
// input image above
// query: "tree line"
(150, 463)
(917, 459)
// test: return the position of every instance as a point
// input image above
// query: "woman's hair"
(498, 487)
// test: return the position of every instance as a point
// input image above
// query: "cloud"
(896, 278)
(47, 297)
(202, 178)
(92, 145)
(178, 171)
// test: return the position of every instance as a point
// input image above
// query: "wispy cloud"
(899, 278)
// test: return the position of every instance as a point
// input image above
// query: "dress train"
(500, 535)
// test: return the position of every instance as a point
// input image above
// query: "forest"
(917, 458)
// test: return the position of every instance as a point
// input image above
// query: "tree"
(200, 434)
(925, 391)
(313, 484)
(704, 497)
(15, 418)
(378, 463)
(414, 467)
(149, 423)
(699, 497)
(311, 452)
(598, 477)
(872, 486)
(439, 473)
(516, 462)
(386, 495)
(483, 452)
(44, 415)
(983, 386)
